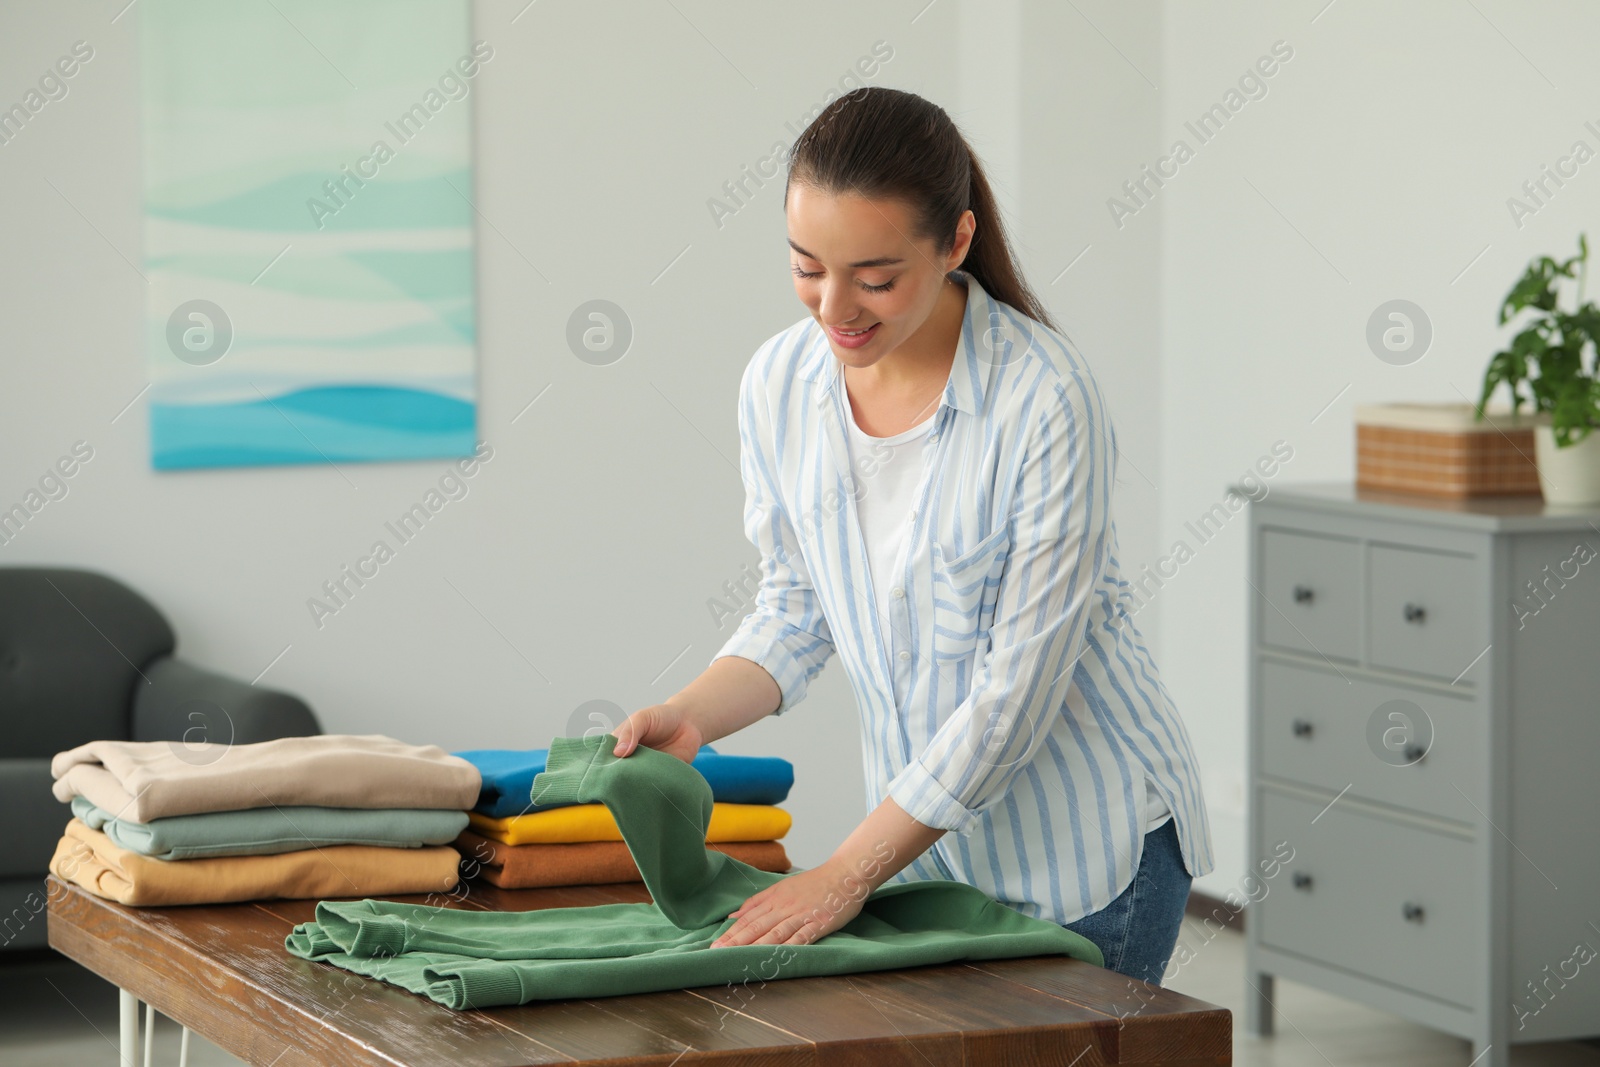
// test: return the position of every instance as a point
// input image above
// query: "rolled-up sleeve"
(1059, 552)
(786, 632)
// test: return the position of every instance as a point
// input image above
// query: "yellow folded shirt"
(594, 822)
(90, 859)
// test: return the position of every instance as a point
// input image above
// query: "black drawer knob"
(1302, 880)
(1416, 613)
(1303, 594)
(1412, 912)
(1301, 728)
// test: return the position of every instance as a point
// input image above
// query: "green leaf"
(1549, 357)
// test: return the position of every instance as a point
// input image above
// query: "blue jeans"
(1138, 931)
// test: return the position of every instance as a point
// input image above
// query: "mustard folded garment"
(89, 858)
(594, 822)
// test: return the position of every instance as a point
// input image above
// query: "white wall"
(1088, 111)
(1377, 167)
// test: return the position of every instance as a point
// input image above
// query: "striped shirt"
(1008, 697)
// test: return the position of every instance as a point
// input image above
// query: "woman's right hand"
(660, 726)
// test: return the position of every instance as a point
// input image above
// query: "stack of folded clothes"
(338, 815)
(518, 842)
(468, 958)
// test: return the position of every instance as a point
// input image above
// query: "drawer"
(1318, 728)
(1425, 612)
(1394, 902)
(1312, 585)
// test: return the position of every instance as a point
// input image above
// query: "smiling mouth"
(853, 338)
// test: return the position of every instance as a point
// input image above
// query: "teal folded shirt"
(265, 831)
(479, 959)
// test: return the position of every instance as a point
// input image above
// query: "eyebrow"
(881, 261)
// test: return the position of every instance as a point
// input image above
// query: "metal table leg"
(127, 1048)
(127, 1045)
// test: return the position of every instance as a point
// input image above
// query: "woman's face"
(857, 268)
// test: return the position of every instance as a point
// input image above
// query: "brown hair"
(878, 143)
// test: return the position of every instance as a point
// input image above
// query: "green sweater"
(269, 831)
(477, 959)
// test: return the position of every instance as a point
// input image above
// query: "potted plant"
(1554, 358)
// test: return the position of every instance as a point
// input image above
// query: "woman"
(968, 577)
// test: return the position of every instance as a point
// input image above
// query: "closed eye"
(884, 288)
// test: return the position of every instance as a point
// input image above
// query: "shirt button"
(904, 654)
(933, 437)
(899, 593)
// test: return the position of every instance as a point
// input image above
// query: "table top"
(222, 971)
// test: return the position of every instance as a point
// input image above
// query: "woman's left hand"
(798, 910)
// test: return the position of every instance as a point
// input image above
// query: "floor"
(1315, 1029)
(54, 1013)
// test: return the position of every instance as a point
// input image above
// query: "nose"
(836, 307)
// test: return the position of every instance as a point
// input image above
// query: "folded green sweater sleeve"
(663, 808)
(465, 958)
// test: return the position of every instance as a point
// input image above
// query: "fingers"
(759, 928)
(745, 928)
(644, 727)
(794, 929)
(799, 929)
(755, 901)
(628, 733)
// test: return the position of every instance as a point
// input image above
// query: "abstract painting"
(308, 230)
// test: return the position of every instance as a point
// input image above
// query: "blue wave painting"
(331, 424)
(324, 234)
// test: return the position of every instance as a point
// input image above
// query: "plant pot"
(1568, 475)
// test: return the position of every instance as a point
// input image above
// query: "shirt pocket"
(965, 589)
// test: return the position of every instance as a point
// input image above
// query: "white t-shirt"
(885, 506)
(885, 511)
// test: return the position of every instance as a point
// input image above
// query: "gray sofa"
(85, 658)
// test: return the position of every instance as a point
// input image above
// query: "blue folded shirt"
(508, 778)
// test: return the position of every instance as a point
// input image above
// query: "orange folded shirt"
(584, 862)
(90, 859)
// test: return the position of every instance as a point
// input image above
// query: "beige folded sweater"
(89, 858)
(144, 780)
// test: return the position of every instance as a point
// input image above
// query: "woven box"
(1440, 450)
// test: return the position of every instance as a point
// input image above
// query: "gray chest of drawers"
(1425, 737)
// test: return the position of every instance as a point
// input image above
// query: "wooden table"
(222, 971)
